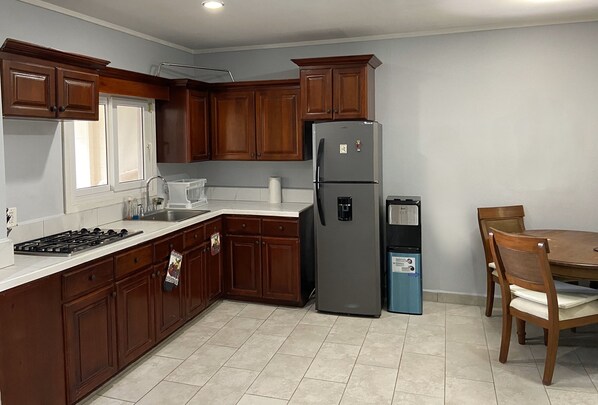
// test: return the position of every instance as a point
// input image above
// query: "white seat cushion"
(541, 310)
(568, 295)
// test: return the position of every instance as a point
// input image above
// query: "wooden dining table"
(573, 254)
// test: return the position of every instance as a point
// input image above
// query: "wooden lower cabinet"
(269, 259)
(214, 276)
(31, 344)
(243, 266)
(280, 269)
(90, 342)
(195, 280)
(169, 305)
(135, 316)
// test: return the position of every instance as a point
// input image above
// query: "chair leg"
(545, 337)
(489, 295)
(553, 344)
(520, 331)
(505, 341)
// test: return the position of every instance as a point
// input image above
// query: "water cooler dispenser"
(403, 252)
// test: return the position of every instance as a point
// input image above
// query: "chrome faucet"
(147, 195)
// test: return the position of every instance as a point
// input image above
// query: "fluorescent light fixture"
(213, 4)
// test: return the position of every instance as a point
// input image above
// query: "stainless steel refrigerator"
(347, 195)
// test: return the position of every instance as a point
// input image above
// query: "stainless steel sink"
(172, 215)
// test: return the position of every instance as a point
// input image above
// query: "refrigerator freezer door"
(347, 151)
(348, 250)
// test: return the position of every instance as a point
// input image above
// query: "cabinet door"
(281, 268)
(77, 94)
(278, 125)
(233, 125)
(32, 344)
(198, 126)
(195, 280)
(350, 93)
(135, 314)
(28, 90)
(243, 273)
(214, 275)
(316, 94)
(89, 341)
(169, 305)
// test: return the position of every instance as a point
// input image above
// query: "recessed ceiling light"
(212, 4)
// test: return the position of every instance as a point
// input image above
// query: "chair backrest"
(506, 219)
(523, 261)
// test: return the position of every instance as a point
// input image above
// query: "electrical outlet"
(11, 217)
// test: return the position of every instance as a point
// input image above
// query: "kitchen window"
(109, 160)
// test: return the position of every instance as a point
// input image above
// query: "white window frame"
(115, 192)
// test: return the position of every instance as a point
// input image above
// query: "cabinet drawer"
(280, 227)
(243, 225)
(213, 226)
(194, 236)
(134, 259)
(163, 247)
(84, 279)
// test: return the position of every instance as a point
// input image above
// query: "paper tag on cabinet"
(402, 264)
(174, 271)
(215, 243)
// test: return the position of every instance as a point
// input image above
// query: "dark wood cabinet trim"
(16, 47)
(348, 60)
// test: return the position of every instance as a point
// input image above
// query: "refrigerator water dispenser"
(345, 208)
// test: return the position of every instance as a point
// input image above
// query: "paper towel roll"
(275, 188)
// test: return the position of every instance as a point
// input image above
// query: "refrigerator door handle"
(319, 158)
(319, 205)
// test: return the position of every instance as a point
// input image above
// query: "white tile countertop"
(29, 268)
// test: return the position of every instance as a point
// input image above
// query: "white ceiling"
(257, 23)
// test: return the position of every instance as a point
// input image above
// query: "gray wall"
(33, 149)
(475, 119)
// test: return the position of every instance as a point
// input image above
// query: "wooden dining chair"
(507, 219)
(530, 294)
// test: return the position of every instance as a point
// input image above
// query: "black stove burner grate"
(71, 242)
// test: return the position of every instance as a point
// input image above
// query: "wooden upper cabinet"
(257, 121)
(278, 131)
(77, 95)
(28, 90)
(41, 82)
(198, 126)
(316, 94)
(337, 88)
(182, 124)
(233, 125)
(350, 94)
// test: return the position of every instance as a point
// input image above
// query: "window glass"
(90, 152)
(130, 140)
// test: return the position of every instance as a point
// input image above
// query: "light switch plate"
(343, 148)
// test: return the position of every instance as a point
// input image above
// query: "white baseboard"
(457, 298)
(7, 257)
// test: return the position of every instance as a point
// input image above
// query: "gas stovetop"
(72, 242)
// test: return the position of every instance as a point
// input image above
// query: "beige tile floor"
(249, 354)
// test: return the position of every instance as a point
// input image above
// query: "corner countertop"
(30, 268)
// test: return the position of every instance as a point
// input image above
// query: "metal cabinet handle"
(92, 277)
(196, 236)
(243, 225)
(171, 246)
(153, 275)
(263, 243)
(113, 294)
(280, 227)
(52, 108)
(62, 108)
(136, 260)
(257, 242)
(328, 111)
